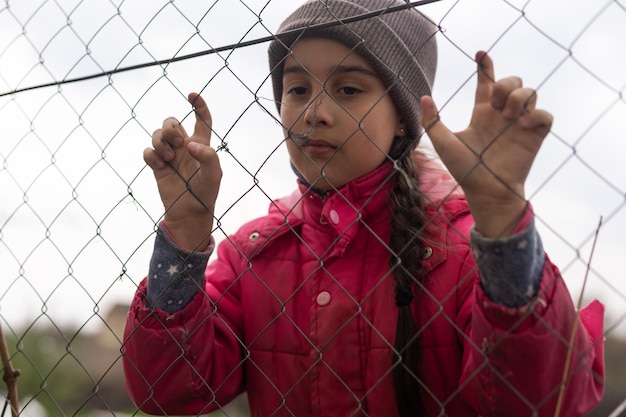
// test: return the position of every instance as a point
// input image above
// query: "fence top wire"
(234, 46)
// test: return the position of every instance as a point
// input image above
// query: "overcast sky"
(78, 206)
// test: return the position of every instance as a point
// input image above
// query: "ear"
(400, 129)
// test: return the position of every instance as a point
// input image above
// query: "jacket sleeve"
(189, 361)
(515, 357)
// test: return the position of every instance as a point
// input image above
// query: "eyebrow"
(339, 69)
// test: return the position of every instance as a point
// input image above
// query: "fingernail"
(177, 141)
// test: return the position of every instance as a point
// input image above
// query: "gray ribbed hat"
(400, 45)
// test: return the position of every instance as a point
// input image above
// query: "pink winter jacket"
(299, 311)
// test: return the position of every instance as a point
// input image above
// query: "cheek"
(288, 118)
(295, 154)
(283, 111)
(378, 138)
(290, 108)
(291, 147)
(373, 155)
(382, 121)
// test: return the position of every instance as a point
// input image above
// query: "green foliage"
(70, 372)
(66, 371)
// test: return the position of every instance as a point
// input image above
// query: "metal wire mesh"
(84, 84)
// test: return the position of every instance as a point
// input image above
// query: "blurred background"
(83, 84)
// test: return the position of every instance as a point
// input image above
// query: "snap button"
(323, 298)
(334, 217)
(254, 236)
(426, 252)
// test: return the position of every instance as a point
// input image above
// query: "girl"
(378, 288)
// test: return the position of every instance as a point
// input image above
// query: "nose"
(319, 111)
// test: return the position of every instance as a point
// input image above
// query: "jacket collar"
(363, 196)
(338, 215)
(367, 196)
(435, 181)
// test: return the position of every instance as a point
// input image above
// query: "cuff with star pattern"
(175, 275)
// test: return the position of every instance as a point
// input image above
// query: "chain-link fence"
(83, 84)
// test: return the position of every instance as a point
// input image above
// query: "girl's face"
(333, 97)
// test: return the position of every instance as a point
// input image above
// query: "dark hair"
(406, 241)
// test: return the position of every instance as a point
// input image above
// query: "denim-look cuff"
(510, 268)
(175, 275)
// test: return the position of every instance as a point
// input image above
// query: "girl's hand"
(188, 175)
(491, 159)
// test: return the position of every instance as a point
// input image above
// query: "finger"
(538, 120)
(485, 77)
(519, 102)
(163, 140)
(203, 117)
(209, 162)
(173, 132)
(438, 133)
(203, 154)
(503, 89)
(153, 160)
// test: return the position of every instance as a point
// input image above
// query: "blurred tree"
(72, 371)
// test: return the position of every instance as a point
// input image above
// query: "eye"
(349, 91)
(298, 91)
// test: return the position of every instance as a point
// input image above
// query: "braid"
(408, 219)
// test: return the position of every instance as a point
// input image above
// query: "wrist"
(497, 219)
(191, 234)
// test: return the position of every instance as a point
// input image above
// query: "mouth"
(314, 148)
(318, 143)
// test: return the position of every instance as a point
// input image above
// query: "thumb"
(203, 117)
(204, 154)
(439, 134)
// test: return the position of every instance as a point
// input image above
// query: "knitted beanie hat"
(399, 44)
